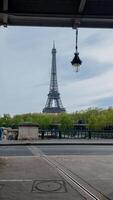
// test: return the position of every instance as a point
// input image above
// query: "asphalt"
(76, 150)
(15, 151)
(57, 150)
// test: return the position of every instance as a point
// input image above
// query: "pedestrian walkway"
(59, 142)
(32, 178)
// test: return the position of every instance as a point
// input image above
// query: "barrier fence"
(76, 134)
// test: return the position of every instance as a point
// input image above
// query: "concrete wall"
(28, 133)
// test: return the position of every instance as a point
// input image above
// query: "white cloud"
(100, 48)
(88, 91)
(26, 61)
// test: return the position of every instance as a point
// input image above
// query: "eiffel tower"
(54, 103)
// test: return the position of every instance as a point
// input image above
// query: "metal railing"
(77, 134)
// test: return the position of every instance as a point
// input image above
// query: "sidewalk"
(59, 142)
(32, 178)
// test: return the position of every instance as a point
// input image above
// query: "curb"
(42, 144)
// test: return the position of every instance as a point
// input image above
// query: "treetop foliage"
(94, 118)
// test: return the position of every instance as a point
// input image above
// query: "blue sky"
(25, 66)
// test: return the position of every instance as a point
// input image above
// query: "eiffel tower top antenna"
(53, 103)
(53, 44)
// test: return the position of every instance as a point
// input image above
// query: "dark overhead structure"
(57, 13)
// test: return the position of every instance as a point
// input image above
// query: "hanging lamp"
(76, 62)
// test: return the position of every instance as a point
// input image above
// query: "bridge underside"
(57, 13)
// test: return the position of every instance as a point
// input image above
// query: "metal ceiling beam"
(87, 14)
(5, 15)
(42, 20)
(81, 6)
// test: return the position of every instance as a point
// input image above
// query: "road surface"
(58, 150)
(52, 171)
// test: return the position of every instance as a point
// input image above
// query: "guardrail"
(77, 134)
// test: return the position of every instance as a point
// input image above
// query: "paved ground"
(58, 141)
(77, 150)
(92, 165)
(58, 150)
(96, 171)
(30, 177)
(15, 151)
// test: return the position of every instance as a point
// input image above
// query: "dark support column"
(89, 132)
(82, 6)
(60, 135)
(42, 136)
(5, 15)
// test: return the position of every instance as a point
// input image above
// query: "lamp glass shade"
(77, 67)
(76, 62)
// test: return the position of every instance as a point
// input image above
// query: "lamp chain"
(76, 40)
